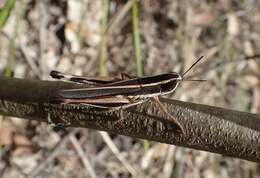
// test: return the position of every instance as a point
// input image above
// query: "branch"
(208, 128)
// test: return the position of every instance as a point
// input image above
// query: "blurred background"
(146, 37)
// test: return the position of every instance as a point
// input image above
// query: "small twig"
(224, 63)
(83, 157)
(119, 16)
(29, 60)
(168, 165)
(52, 156)
(256, 56)
(116, 152)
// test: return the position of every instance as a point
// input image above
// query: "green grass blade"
(102, 45)
(137, 50)
(136, 38)
(11, 50)
(5, 11)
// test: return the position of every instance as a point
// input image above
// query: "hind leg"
(164, 110)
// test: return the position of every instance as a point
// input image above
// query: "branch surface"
(208, 128)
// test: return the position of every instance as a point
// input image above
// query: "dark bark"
(213, 129)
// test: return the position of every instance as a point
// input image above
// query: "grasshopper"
(118, 94)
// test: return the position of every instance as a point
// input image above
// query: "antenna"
(199, 80)
(194, 80)
(198, 60)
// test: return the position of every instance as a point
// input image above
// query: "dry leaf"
(233, 24)
(203, 19)
(6, 135)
